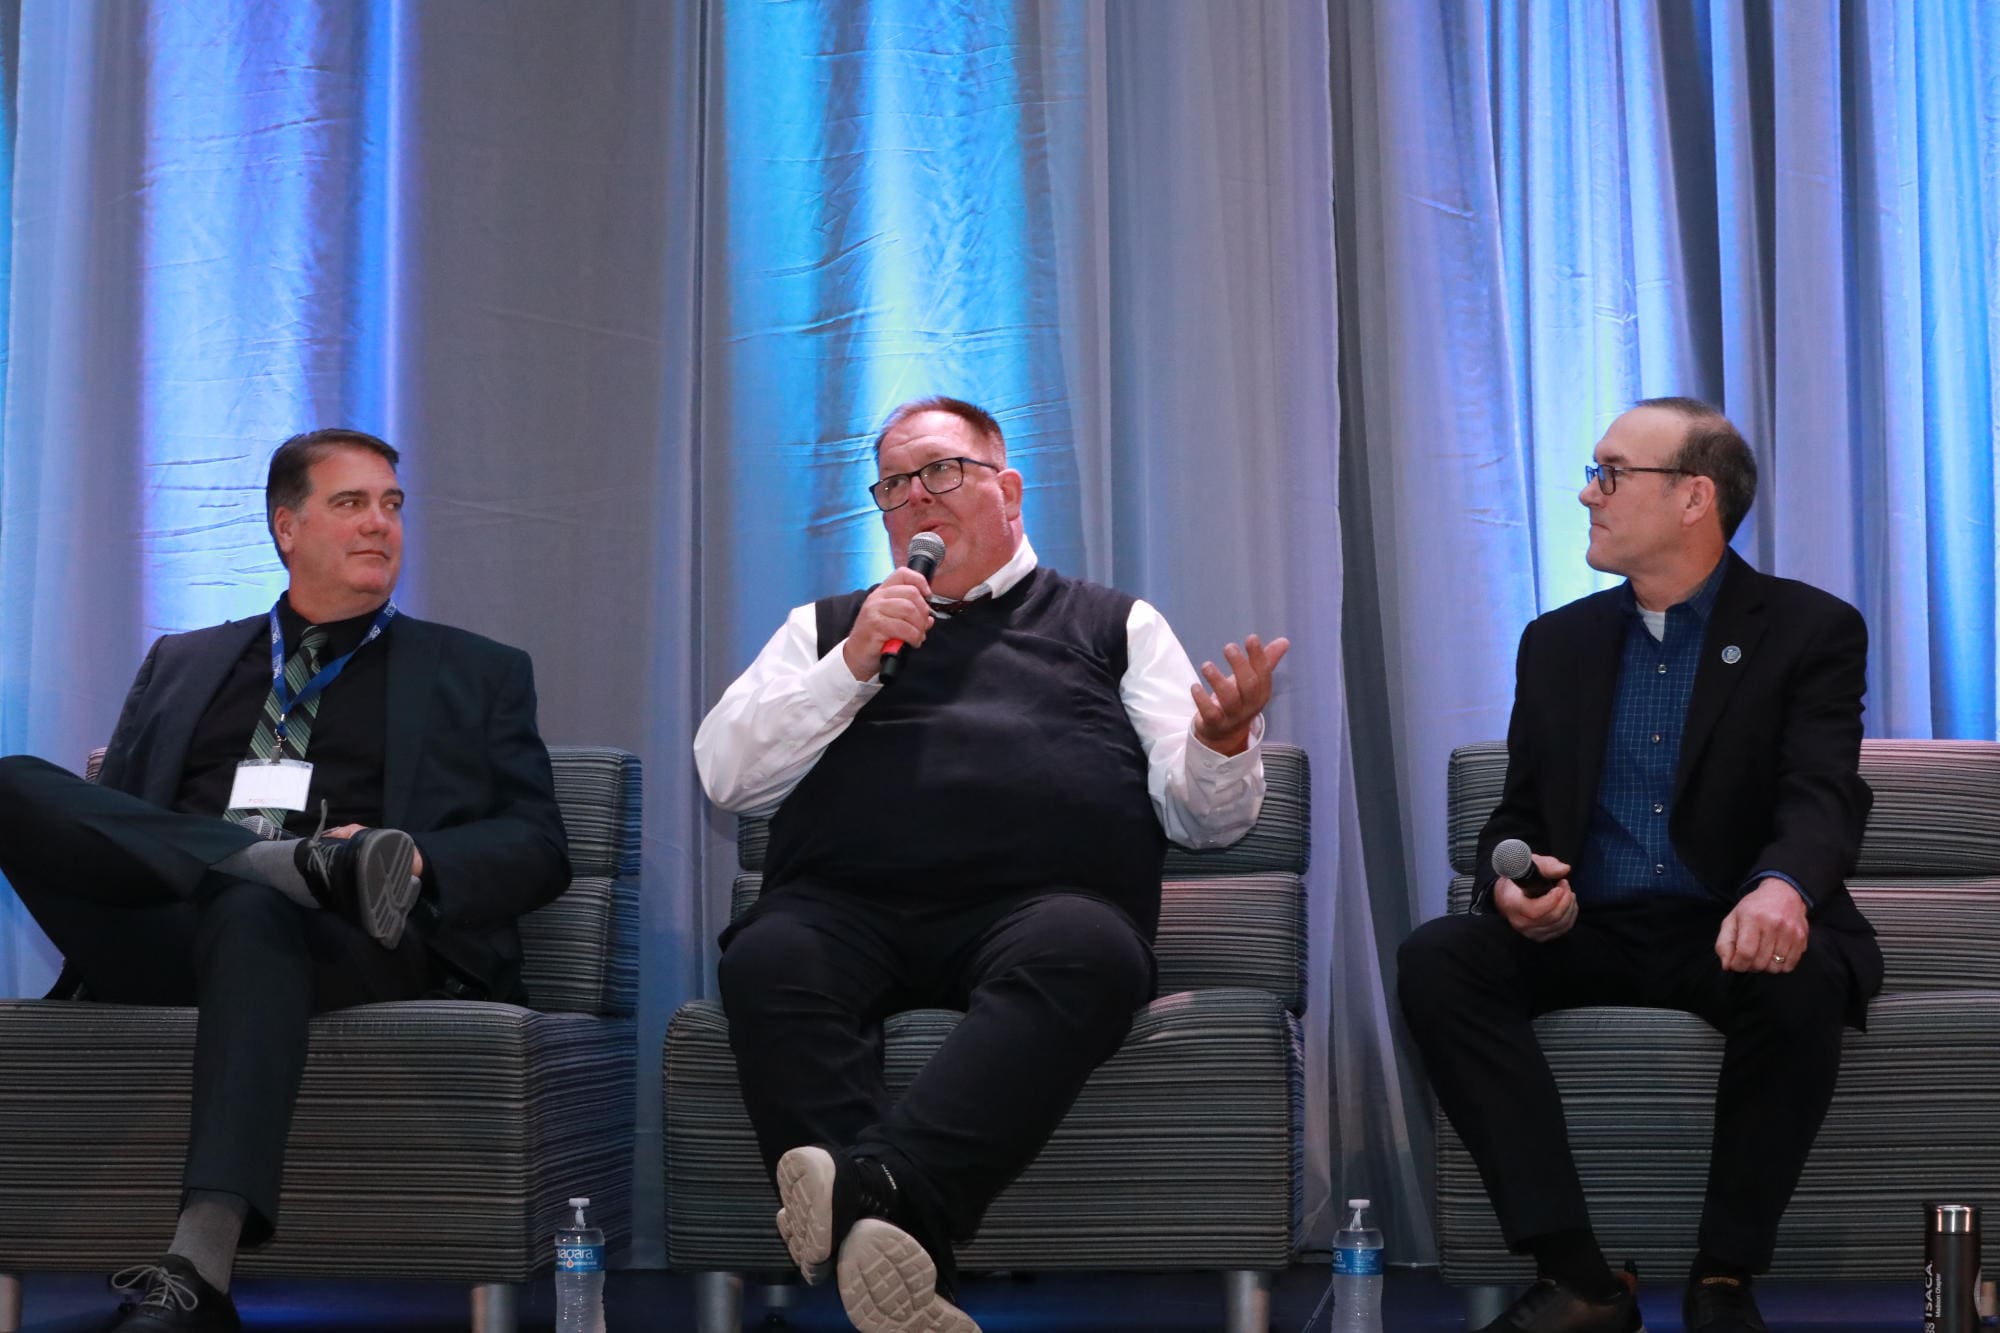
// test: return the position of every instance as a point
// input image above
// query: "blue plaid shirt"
(1626, 851)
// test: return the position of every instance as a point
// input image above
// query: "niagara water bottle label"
(579, 1258)
(1357, 1263)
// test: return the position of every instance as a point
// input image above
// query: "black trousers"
(1471, 987)
(1048, 983)
(125, 889)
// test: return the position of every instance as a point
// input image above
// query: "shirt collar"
(342, 636)
(1019, 565)
(1697, 604)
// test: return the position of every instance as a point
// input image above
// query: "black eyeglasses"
(939, 478)
(1606, 475)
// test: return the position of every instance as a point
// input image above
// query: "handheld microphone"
(1513, 860)
(926, 549)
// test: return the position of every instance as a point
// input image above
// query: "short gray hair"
(1715, 449)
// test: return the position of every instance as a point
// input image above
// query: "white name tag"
(268, 786)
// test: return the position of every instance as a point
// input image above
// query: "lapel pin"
(1732, 654)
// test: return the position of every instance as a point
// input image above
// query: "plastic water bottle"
(1357, 1273)
(579, 1275)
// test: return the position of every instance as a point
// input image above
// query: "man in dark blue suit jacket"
(424, 827)
(1683, 757)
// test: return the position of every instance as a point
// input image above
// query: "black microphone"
(1513, 860)
(926, 549)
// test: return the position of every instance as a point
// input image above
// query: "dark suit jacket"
(1768, 776)
(465, 772)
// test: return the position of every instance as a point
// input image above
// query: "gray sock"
(274, 863)
(211, 1225)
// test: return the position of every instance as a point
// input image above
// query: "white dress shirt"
(773, 723)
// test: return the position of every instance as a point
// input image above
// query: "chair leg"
(496, 1307)
(1246, 1301)
(718, 1302)
(1485, 1304)
(10, 1303)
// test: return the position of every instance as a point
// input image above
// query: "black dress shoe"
(1721, 1305)
(365, 878)
(1549, 1307)
(171, 1295)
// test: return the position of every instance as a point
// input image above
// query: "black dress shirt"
(349, 732)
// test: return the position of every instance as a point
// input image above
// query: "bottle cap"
(1953, 1219)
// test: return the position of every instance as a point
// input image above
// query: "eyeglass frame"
(1606, 474)
(918, 476)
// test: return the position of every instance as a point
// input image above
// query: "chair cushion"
(1197, 1117)
(1913, 1120)
(432, 1138)
(581, 952)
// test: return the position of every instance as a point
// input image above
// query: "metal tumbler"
(1951, 1267)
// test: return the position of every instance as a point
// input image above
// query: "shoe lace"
(167, 1289)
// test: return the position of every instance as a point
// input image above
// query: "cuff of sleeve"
(1758, 877)
(1206, 763)
(833, 688)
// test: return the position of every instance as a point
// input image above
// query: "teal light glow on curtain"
(883, 210)
(255, 134)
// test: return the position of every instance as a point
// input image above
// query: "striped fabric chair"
(433, 1139)
(1183, 1151)
(1917, 1113)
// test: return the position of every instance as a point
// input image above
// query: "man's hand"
(1540, 919)
(346, 831)
(1232, 702)
(897, 609)
(1766, 931)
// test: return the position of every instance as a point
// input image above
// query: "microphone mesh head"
(1513, 860)
(928, 545)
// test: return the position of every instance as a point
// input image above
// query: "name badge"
(271, 786)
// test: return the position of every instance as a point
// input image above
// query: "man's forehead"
(930, 435)
(1642, 437)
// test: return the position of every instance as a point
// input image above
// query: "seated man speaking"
(203, 869)
(984, 831)
(1683, 759)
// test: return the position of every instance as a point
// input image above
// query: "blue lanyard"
(287, 701)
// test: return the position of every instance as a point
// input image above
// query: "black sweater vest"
(1000, 762)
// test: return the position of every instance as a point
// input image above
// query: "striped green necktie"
(300, 667)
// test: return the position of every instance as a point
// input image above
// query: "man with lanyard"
(1683, 758)
(982, 829)
(282, 799)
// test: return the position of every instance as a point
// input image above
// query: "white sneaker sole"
(805, 1215)
(888, 1284)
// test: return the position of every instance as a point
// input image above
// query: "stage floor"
(1415, 1302)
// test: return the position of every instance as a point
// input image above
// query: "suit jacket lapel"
(1737, 622)
(413, 667)
(213, 655)
(1597, 656)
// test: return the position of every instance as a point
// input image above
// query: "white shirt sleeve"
(776, 719)
(1203, 799)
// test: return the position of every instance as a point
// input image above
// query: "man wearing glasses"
(1683, 759)
(983, 832)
